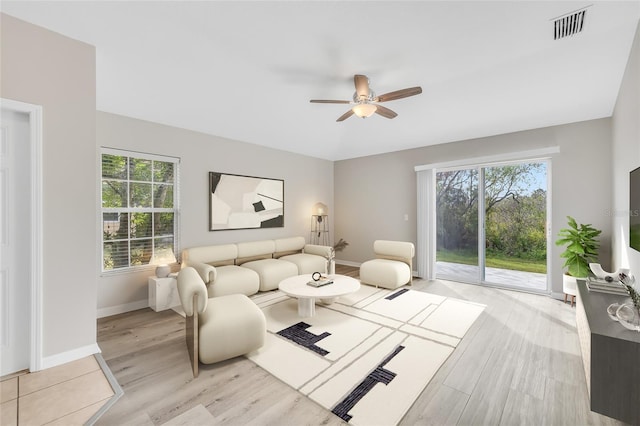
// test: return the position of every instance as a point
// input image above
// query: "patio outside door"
(491, 225)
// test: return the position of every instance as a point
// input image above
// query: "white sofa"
(249, 267)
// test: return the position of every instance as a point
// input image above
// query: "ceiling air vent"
(569, 24)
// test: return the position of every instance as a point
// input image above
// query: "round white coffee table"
(297, 287)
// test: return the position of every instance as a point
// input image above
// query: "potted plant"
(581, 249)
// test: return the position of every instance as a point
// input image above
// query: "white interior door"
(15, 242)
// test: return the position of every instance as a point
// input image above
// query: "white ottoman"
(385, 273)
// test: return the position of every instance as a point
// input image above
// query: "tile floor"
(69, 394)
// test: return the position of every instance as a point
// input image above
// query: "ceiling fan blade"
(345, 115)
(399, 94)
(328, 101)
(385, 112)
(362, 85)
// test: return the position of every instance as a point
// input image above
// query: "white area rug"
(369, 355)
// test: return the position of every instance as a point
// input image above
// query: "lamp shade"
(364, 110)
(319, 209)
(162, 258)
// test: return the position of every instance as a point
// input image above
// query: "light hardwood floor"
(518, 364)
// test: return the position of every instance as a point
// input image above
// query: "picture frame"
(245, 202)
(634, 209)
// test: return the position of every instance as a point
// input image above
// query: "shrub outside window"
(139, 208)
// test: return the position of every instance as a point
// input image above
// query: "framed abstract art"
(245, 202)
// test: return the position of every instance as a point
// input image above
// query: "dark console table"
(611, 356)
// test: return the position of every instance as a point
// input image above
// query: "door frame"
(34, 113)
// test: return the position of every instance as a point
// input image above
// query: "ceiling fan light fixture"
(366, 103)
(364, 110)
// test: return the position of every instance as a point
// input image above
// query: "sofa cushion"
(307, 263)
(289, 244)
(385, 273)
(210, 254)
(324, 251)
(233, 279)
(256, 248)
(400, 249)
(272, 271)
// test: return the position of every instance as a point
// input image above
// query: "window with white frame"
(139, 208)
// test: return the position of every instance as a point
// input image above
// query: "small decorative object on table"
(601, 274)
(628, 314)
(319, 280)
(339, 246)
(162, 258)
(606, 282)
(612, 309)
(603, 286)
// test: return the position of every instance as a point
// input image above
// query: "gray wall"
(44, 68)
(307, 181)
(626, 157)
(372, 194)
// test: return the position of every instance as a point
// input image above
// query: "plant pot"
(569, 287)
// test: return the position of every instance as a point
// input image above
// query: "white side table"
(163, 292)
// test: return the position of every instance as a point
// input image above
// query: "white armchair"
(218, 328)
(392, 267)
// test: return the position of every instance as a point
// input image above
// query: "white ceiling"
(246, 70)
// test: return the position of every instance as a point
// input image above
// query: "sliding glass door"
(491, 225)
(457, 225)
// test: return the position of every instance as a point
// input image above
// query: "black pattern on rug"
(298, 334)
(379, 375)
(397, 293)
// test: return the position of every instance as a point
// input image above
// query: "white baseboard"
(121, 309)
(559, 296)
(69, 356)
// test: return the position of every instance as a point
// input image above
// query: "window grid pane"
(163, 171)
(163, 196)
(140, 194)
(163, 224)
(140, 170)
(115, 226)
(116, 255)
(141, 226)
(114, 166)
(141, 251)
(114, 193)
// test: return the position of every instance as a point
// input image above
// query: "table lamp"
(162, 258)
